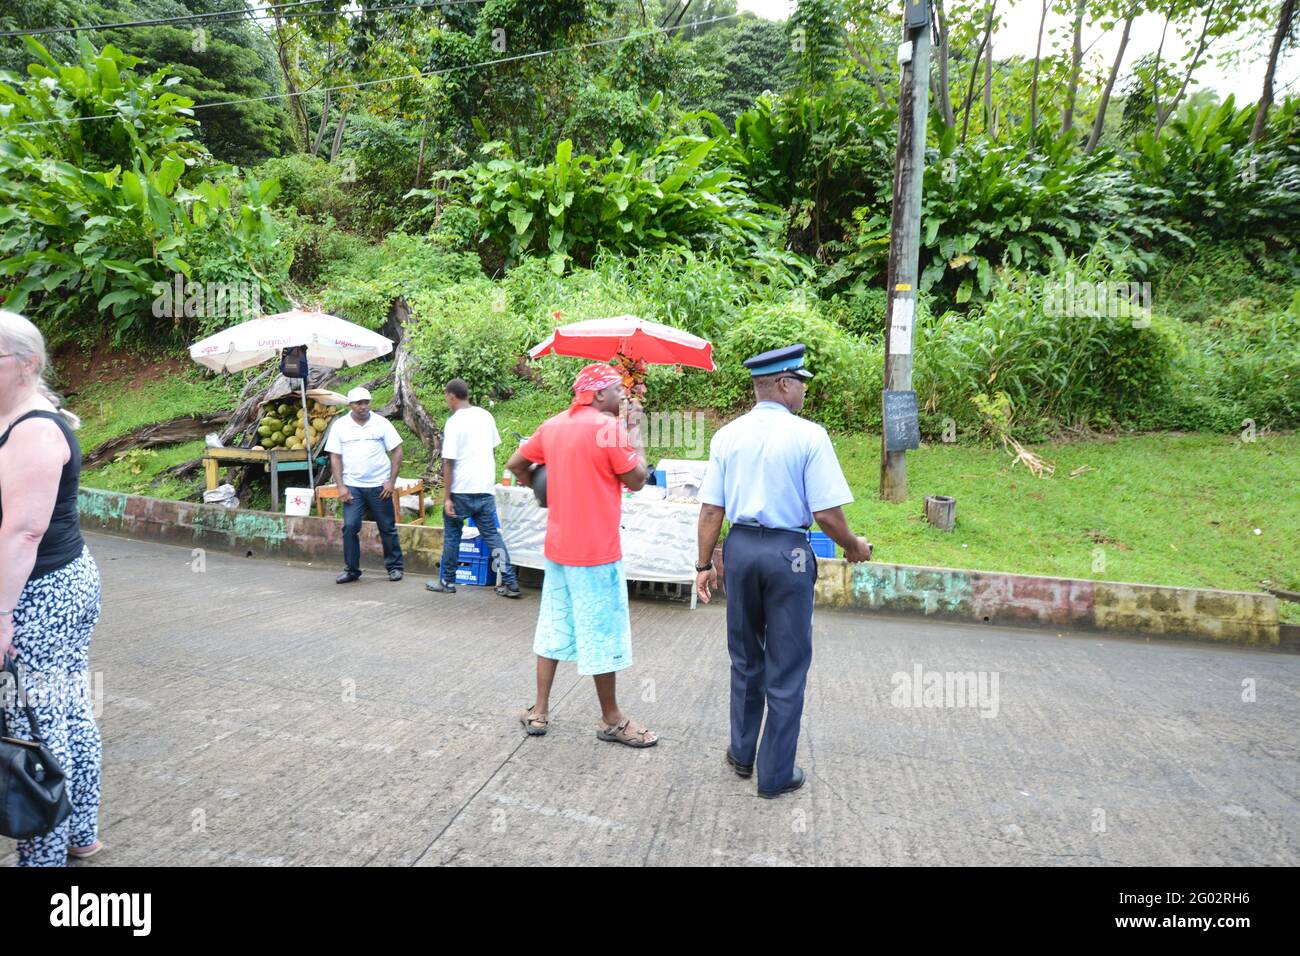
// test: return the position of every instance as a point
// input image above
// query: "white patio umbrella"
(330, 341)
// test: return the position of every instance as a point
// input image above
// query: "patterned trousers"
(53, 621)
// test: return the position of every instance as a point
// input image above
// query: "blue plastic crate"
(472, 570)
(473, 546)
(822, 544)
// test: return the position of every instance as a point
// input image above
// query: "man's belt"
(763, 527)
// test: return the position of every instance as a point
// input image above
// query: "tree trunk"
(974, 71)
(338, 133)
(990, 126)
(170, 432)
(1100, 120)
(1285, 21)
(941, 511)
(866, 60)
(1033, 88)
(944, 94)
(419, 160)
(320, 127)
(1163, 117)
(296, 108)
(405, 401)
(1155, 72)
(1076, 63)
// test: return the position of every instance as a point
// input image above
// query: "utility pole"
(898, 432)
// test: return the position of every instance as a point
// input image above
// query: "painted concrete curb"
(1237, 617)
(251, 533)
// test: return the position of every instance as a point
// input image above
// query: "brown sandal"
(618, 733)
(534, 724)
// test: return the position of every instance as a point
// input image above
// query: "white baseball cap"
(358, 394)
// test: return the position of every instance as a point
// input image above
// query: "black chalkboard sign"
(902, 429)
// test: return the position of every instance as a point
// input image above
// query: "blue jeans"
(381, 509)
(483, 509)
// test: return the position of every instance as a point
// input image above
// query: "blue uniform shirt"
(773, 468)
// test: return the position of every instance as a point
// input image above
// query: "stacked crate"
(474, 565)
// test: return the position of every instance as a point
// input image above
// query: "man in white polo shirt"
(469, 475)
(365, 454)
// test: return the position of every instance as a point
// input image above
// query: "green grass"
(134, 472)
(108, 410)
(1161, 509)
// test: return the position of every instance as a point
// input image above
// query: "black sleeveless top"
(62, 543)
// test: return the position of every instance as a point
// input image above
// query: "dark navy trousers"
(381, 510)
(769, 577)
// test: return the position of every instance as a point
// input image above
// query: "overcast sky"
(1019, 33)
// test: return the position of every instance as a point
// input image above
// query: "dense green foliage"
(512, 164)
(96, 214)
(573, 205)
(214, 59)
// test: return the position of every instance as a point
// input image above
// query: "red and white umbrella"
(331, 342)
(626, 335)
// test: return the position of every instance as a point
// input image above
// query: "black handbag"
(33, 791)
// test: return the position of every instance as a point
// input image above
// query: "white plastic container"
(297, 501)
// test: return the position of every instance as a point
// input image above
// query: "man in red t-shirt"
(584, 614)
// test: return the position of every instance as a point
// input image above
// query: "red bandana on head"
(591, 380)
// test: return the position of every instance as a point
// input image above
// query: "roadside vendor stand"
(273, 460)
(659, 536)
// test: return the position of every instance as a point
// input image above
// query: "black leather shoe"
(395, 575)
(347, 577)
(441, 587)
(743, 770)
(795, 783)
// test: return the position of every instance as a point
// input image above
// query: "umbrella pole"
(306, 437)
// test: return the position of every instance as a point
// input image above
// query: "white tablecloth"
(659, 537)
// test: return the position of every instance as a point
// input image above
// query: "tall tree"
(1038, 59)
(985, 39)
(1099, 121)
(1283, 35)
(1076, 64)
(1220, 19)
(942, 90)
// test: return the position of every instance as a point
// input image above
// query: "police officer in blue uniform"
(771, 474)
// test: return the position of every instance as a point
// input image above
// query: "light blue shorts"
(584, 617)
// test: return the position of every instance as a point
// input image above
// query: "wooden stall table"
(274, 460)
(411, 488)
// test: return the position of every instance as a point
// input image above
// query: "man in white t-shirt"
(365, 454)
(469, 473)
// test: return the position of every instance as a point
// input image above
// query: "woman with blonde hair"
(49, 585)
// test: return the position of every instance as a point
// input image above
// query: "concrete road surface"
(257, 713)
